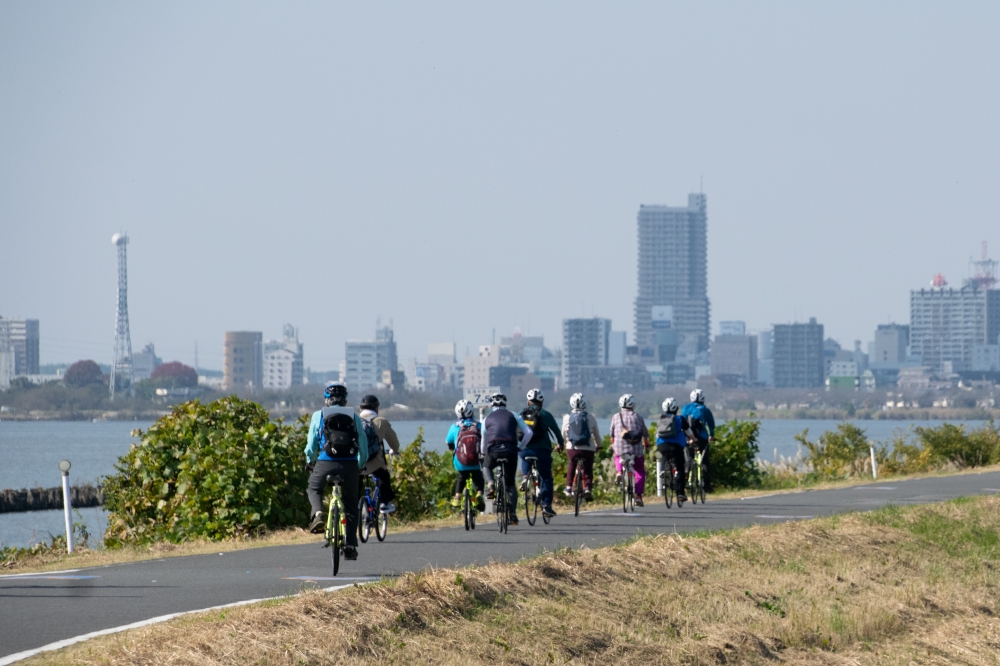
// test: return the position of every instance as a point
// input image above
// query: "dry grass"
(896, 586)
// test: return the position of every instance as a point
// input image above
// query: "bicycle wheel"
(336, 540)
(531, 499)
(630, 481)
(701, 482)
(381, 525)
(364, 520)
(466, 508)
(578, 490)
(666, 478)
(538, 498)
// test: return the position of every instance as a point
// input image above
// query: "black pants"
(675, 453)
(509, 469)
(463, 474)
(702, 445)
(585, 459)
(384, 483)
(347, 472)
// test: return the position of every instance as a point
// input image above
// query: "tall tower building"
(122, 370)
(671, 306)
(242, 360)
(585, 343)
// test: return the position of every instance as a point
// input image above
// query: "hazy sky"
(459, 167)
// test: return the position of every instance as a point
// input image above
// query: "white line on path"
(58, 645)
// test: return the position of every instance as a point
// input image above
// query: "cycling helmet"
(577, 401)
(535, 396)
(498, 400)
(697, 396)
(626, 401)
(369, 402)
(669, 406)
(335, 391)
(463, 409)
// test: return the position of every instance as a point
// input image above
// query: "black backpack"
(579, 429)
(667, 427)
(340, 436)
(532, 417)
(374, 443)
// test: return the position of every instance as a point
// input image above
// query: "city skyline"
(840, 177)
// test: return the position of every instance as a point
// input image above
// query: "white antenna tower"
(121, 361)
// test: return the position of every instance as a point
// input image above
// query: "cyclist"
(582, 438)
(541, 423)
(329, 445)
(629, 435)
(502, 437)
(671, 442)
(465, 440)
(377, 466)
(702, 425)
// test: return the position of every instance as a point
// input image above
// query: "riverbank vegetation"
(894, 586)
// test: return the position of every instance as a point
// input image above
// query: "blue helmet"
(335, 391)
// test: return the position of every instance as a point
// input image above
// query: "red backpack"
(467, 444)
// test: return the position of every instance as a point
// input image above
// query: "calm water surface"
(31, 451)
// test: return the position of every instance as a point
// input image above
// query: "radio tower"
(121, 361)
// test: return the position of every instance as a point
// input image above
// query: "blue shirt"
(679, 437)
(452, 438)
(702, 421)
(313, 451)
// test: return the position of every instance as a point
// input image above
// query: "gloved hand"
(309, 466)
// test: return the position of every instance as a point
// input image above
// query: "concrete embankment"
(45, 499)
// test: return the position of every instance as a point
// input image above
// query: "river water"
(30, 453)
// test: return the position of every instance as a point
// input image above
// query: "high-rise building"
(671, 306)
(144, 362)
(283, 366)
(585, 342)
(477, 368)
(366, 362)
(946, 324)
(616, 348)
(798, 355)
(242, 360)
(891, 342)
(732, 328)
(23, 339)
(734, 358)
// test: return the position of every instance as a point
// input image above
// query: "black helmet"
(369, 402)
(335, 391)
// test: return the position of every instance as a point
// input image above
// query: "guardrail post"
(64, 466)
(659, 479)
(874, 465)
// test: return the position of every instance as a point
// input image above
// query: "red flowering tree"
(175, 374)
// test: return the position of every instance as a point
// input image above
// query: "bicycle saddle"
(529, 458)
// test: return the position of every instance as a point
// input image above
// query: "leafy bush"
(841, 453)
(424, 481)
(174, 375)
(950, 444)
(83, 373)
(733, 456)
(212, 471)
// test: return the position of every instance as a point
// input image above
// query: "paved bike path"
(40, 609)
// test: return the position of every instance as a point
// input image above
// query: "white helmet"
(697, 396)
(669, 406)
(577, 401)
(498, 400)
(463, 409)
(535, 395)
(626, 401)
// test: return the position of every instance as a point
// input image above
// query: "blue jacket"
(702, 421)
(452, 438)
(313, 451)
(679, 437)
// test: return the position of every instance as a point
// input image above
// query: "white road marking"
(56, 577)
(760, 496)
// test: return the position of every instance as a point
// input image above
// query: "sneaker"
(524, 484)
(681, 497)
(548, 511)
(350, 553)
(388, 507)
(567, 491)
(512, 520)
(489, 491)
(638, 501)
(316, 524)
(587, 495)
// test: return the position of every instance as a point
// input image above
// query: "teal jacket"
(316, 434)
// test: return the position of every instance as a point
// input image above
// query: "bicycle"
(336, 522)
(501, 503)
(469, 504)
(696, 475)
(578, 492)
(627, 483)
(532, 492)
(369, 516)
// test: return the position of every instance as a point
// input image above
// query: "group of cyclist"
(347, 446)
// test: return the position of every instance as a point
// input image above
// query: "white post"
(64, 466)
(874, 466)
(659, 479)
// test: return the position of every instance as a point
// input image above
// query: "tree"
(83, 373)
(175, 374)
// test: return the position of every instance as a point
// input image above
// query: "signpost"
(480, 397)
(64, 466)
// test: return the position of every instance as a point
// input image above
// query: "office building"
(798, 355)
(734, 358)
(732, 328)
(986, 358)
(585, 343)
(890, 344)
(946, 324)
(366, 362)
(616, 348)
(23, 344)
(144, 362)
(477, 368)
(445, 355)
(671, 306)
(242, 360)
(283, 366)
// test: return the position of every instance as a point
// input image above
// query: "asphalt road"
(41, 609)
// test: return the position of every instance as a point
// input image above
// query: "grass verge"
(894, 586)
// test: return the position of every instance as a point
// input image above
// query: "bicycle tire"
(668, 486)
(381, 526)
(531, 500)
(466, 508)
(364, 520)
(631, 491)
(336, 540)
(578, 490)
(701, 483)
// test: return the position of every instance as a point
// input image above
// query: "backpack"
(340, 436)
(532, 417)
(630, 437)
(467, 444)
(667, 427)
(579, 429)
(374, 443)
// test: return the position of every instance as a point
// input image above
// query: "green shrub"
(840, 453)
(424, 481)
(951, 444)
(732, 457)
(212, 471)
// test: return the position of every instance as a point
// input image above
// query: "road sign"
(480, 397)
